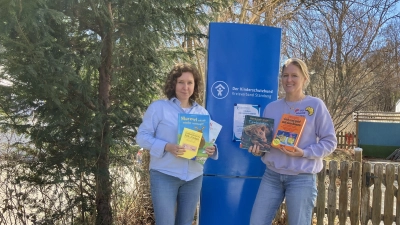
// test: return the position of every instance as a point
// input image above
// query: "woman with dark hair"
(175, 182)
(291, 175)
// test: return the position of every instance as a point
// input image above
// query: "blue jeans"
(174, 200)
(299, 190)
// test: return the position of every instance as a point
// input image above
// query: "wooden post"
(357, 135)
(321, 197)
(358, 154)
(355, 202)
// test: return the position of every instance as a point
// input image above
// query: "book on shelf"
(215, 129)
(289, 131)
(198, 123)
(257, 131)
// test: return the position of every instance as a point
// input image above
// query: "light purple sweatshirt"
(317, 141)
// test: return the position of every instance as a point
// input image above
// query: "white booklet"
(215, 128)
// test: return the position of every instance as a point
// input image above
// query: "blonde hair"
(302, 66)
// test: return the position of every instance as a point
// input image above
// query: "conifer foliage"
(82, 73)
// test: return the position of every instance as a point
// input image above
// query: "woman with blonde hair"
(291, 175)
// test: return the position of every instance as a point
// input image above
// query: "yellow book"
(190, 140)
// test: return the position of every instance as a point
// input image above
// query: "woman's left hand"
(298, 152)
(210, 150)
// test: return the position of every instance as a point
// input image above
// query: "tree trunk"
(103, 181)
(103, 187)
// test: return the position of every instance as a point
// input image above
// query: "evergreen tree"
(83, 72)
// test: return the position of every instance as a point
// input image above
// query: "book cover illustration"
(215, 129)
(257, 131)
(195, 122)
(289, 131)
(190, 140)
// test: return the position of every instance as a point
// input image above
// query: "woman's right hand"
(255, 150)
(174, 149)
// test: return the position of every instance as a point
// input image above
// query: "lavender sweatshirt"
(317, 141)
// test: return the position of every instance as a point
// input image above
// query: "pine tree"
(83, 72)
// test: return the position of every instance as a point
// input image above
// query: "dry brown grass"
(137, 208)
(340, 155)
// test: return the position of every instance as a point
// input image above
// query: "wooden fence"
(358, 195)
(355, 193)
(346, 140)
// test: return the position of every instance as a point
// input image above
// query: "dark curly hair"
(177, 70)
